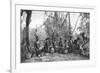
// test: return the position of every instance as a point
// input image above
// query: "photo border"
(13, 69)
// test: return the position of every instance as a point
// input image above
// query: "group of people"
(62, 46)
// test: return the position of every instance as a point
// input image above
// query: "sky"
(38, 18)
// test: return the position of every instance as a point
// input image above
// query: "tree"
(27, 25)
(25, 35)
(56, 24)
(26, 28)
(85, 24)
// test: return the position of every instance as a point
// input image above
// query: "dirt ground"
(57, 57)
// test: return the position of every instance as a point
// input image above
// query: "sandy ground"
(57, 57)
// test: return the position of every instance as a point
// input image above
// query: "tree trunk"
(69, 26)
(27, 26)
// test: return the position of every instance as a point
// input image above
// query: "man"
(36, 48)
(52, 50)
(60, 45)
(46, 45)
(70, 48)
(65, 46)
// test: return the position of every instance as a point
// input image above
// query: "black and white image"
(51, 36)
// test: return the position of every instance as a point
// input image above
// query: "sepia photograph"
(53, 36)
